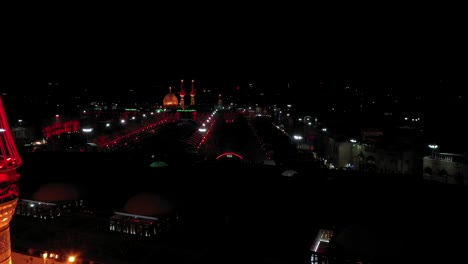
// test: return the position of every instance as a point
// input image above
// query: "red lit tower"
(182, 94)
(192, 93)
(9, 191)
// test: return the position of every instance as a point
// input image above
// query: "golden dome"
(170, 100)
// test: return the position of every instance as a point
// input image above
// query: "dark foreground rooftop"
(239, 213)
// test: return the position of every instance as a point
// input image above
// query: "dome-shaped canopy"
(158, 164)
(289, 173)
(170, 100)
(147, 204)
(56, 192)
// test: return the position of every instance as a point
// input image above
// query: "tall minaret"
(9, 192)
(192, 93)
(182, 94)
(220, 102)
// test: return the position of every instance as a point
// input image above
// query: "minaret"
(192, 93)
(220, 102)
(9, 190)
(182, 94)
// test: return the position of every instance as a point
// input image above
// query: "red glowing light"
(60, 128)
(9, 159)
(229, 154)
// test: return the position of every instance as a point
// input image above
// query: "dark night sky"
(118, 45)
(124, 45)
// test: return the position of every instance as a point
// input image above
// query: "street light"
(355, 152)
(433, 147)
(87, 131)
(297, 137)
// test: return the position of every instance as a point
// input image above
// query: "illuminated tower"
(9, 191)
(182, 94)
(192, 93)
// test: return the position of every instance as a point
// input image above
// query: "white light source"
(297, 137)
(433, 147)
(87, 130)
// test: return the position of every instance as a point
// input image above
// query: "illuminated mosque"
(171, 101)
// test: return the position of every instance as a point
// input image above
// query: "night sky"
(114, 47)
(127, 46)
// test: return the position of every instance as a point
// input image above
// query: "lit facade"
(446, 167)
(371, 153)
(145, 214)
(147, 226)
(46, 210)
(385, 159)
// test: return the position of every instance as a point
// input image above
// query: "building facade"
(446, 167)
